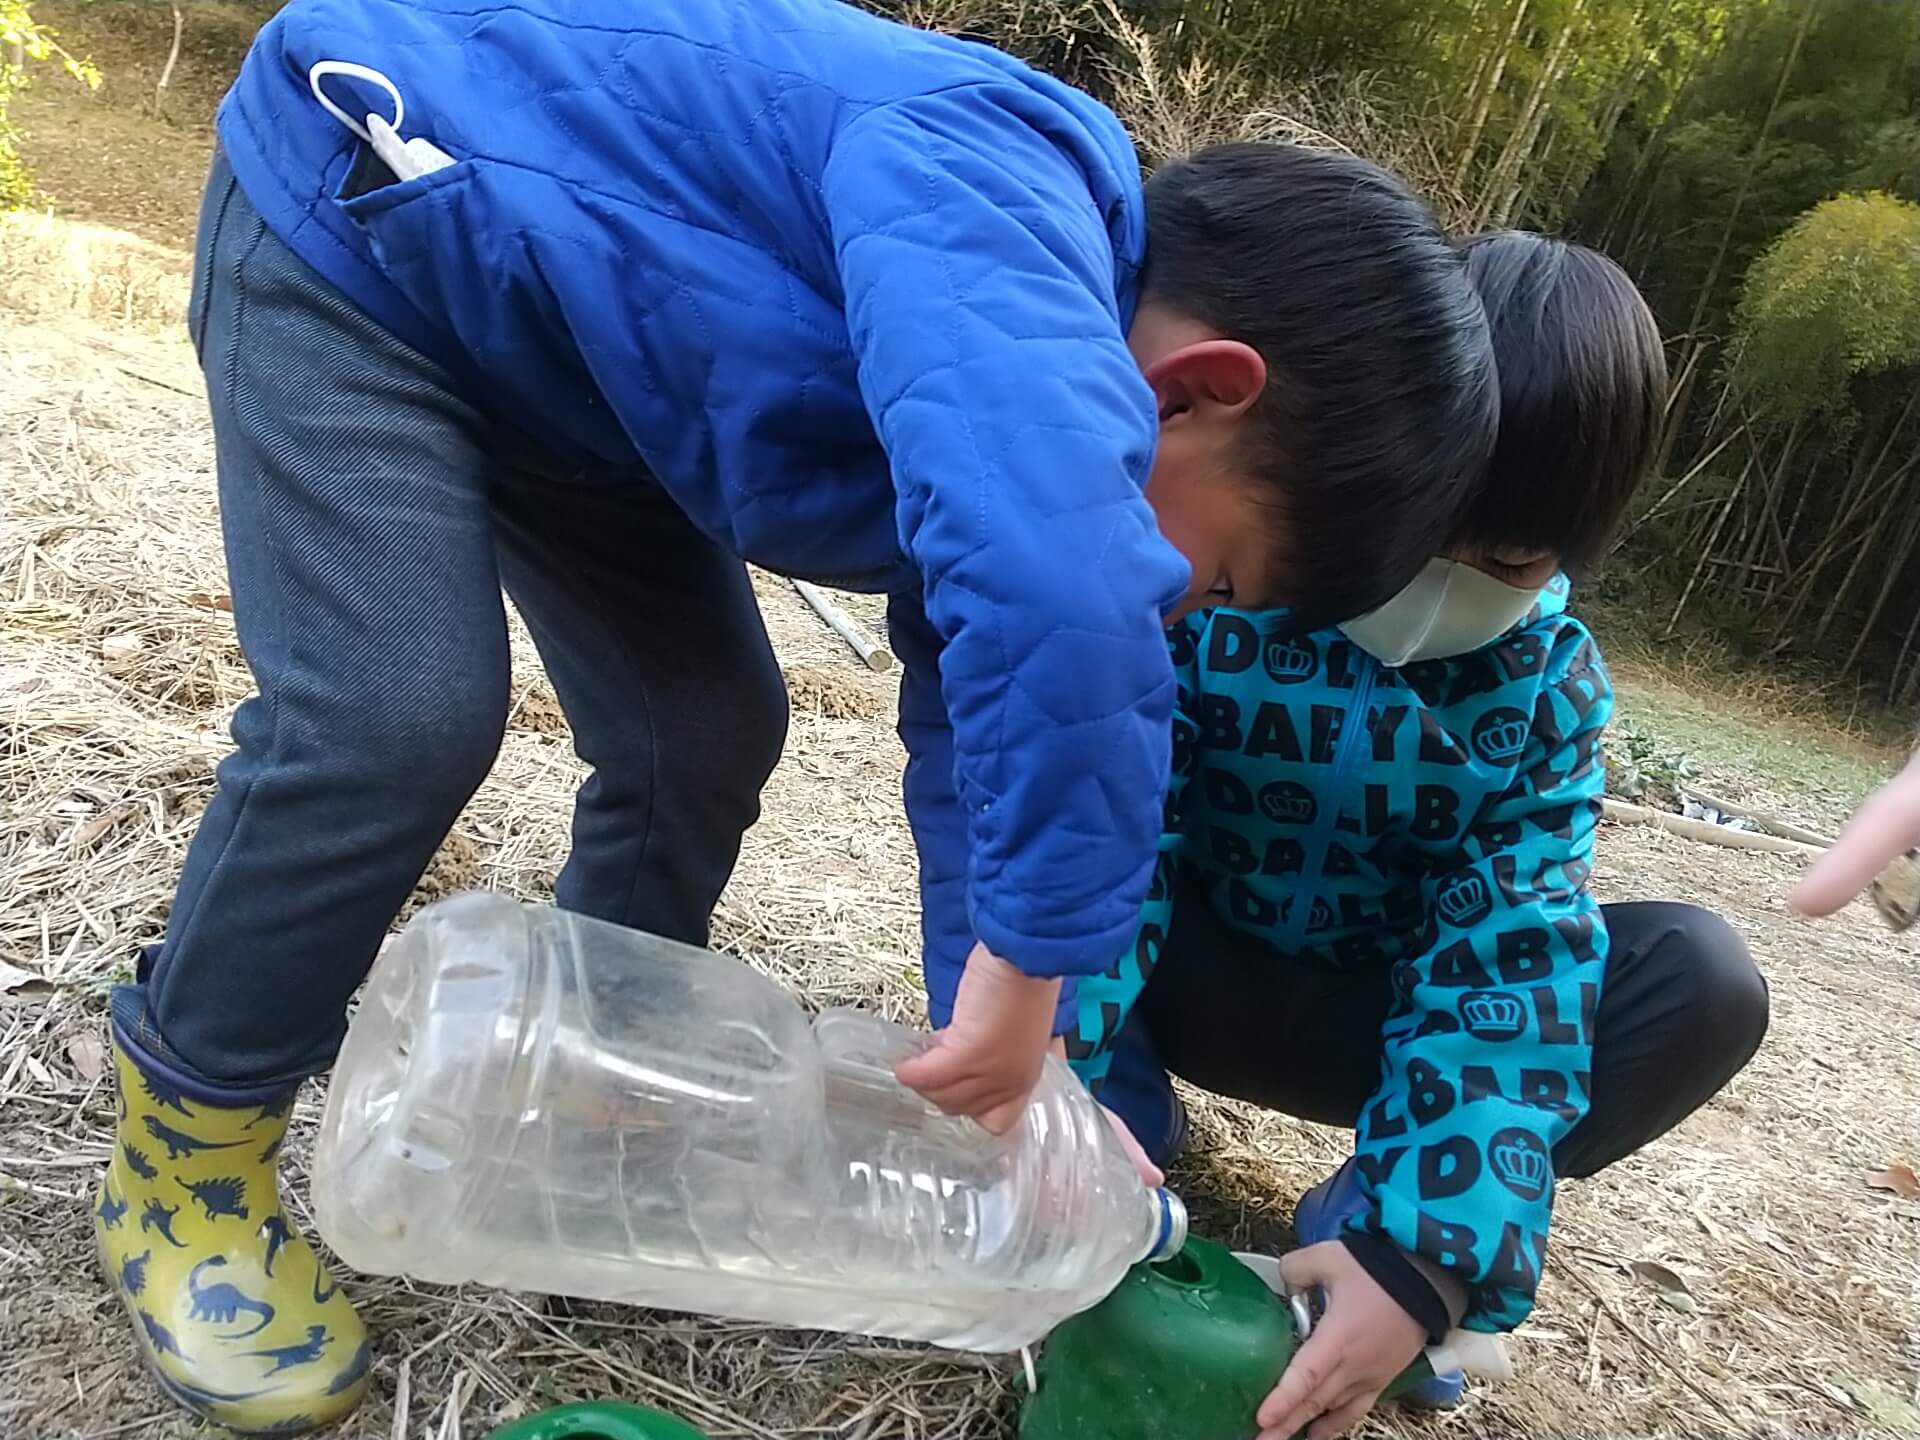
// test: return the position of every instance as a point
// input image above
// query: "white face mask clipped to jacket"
(1449, 608)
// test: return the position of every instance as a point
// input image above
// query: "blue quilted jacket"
(857, 295)
(1447, 837)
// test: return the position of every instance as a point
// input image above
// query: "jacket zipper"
(1327, 807)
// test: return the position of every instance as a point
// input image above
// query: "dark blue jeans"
(372, 516)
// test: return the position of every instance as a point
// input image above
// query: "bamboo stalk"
(1772, 824)
(873, 654)
(1704, 830)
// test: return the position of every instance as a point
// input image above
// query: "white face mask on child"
(1449, 608)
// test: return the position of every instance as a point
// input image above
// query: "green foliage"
(1835, 298)
(22, 42)
(1644, 766)
(1663, 200)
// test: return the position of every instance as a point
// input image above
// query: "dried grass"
(118, 670)
(51, 267)
(1173, 106)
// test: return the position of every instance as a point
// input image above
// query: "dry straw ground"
(118, 669)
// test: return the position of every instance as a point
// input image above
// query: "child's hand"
(987, 1061)
(1359, 1348)
(1884, 828)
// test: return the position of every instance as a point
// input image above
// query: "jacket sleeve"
(1487, 1054)
(980, 294)
(933, 811)
(1103, 1001)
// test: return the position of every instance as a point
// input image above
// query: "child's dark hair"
(1583, 392)
(1381, 405)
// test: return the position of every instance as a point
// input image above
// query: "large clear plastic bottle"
(539, 1101)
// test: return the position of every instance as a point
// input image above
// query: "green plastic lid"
(1185, 1349)
(599, 1420)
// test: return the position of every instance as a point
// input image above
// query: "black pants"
(1682, 1010)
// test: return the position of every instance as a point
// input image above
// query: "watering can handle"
(599, 1420)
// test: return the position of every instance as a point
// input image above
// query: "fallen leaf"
(1899, 1179)
(1661, 1278)
(204, 601)
(89, 1056)
(1679, 1300)
(98, 826)
(13, 978)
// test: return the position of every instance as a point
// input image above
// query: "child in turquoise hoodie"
(1371, 907)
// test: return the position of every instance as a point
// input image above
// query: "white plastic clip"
(407, 159)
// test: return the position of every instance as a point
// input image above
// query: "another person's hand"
(1881, 830)
(987, 1060)
(1358, 1348)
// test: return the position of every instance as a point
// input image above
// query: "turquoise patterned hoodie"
(1449, 837)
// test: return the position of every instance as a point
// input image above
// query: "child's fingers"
(1343, 1417)
(1885, 827)
(1307, 1388)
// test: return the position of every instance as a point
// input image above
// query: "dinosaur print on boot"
(357, 1370)
(235, 1316)
(274, 1231)
(181, 1145)
(160, 1217)
(225, 1196)
(275, 1110)
(165, 1095)
(110, 1211)
(160, 1337)
(221, 1303)
(307, 1352)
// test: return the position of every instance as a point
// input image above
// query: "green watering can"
(1185, 1349)
(599, 1420)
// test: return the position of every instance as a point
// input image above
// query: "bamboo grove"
(1754, 163)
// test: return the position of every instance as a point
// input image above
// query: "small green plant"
(24, 42)
(1644, 768)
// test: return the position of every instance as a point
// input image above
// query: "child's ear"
(1218, 378)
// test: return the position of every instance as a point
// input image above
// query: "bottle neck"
(1168, 1229)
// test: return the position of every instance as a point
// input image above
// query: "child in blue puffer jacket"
(1371, 908)
(595, 300)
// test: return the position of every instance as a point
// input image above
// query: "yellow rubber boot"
(230, 1306)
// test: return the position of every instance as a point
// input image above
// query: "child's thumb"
(931, 1069)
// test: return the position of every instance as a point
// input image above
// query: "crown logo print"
(1522, 1167)
(1464, 900)
(1287, 802)
(1502, 740)
(1287, 661)
(1489, 1014)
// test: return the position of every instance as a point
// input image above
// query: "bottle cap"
(1173, 1226)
